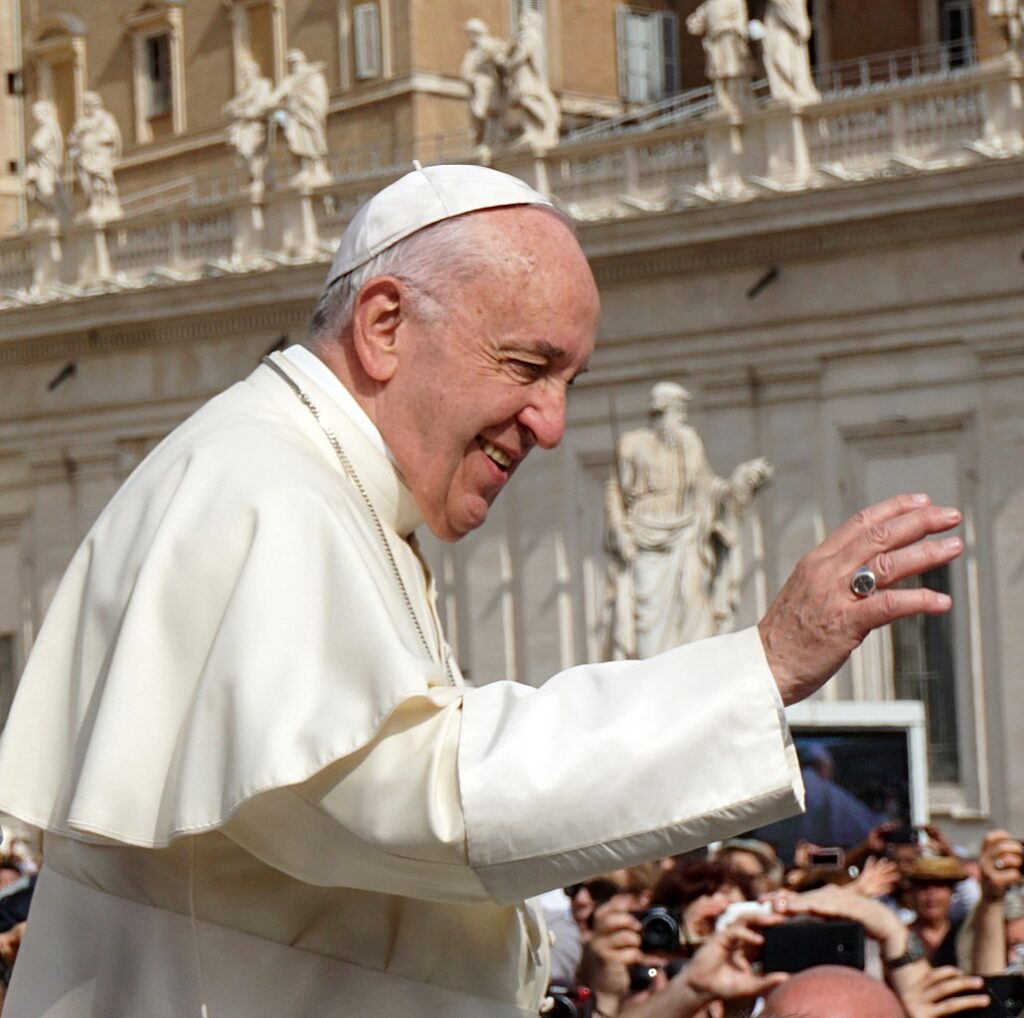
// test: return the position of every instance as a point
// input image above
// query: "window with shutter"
(648, 51)
(366, 38)
(158, 74)
(518, 7)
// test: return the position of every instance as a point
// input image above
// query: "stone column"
(293, 230)
(247, 231)
(1004, 105)
(787, 156)
(529, 166)
(724, 143)
(92, 258)
(47, 253)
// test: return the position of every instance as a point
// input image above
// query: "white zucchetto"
(421, 198)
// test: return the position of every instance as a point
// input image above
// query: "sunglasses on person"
(600, 890)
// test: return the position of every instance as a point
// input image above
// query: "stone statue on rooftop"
(673, 530)
(43, 184)
(483, 68)
(787, 31)
(95, 148)
(301, 103)
(247, 132)
(532, 115)
(1009, 16)
(722, 27)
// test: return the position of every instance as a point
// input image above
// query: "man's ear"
(375, 321)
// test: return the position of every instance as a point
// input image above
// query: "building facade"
(837, 283)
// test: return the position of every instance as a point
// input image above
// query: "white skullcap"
(421, 198)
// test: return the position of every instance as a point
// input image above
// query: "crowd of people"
(684, 937)
(689, 937)
(20, 855)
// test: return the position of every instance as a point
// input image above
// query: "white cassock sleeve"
(510, 790)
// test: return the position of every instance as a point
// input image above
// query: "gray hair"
(427, 262)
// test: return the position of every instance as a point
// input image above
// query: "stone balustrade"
(908, 126)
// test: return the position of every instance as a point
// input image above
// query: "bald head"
(830, 991)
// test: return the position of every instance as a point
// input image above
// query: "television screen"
(855, 779)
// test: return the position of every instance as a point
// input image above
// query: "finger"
(888, 605)
(758, 920)
(892, 566)
(738, 935)
(873, 515)
(898, 532)
(761, 986)
(623, 939)
(951, 984)
(954, 1005)
(609, 922)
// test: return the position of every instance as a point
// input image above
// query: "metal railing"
(847, 77)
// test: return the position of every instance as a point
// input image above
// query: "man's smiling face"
(487, 380)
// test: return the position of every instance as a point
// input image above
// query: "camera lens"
(660, 932)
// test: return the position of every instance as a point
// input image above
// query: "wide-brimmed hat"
(936, 869)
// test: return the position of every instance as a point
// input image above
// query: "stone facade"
(839, 288)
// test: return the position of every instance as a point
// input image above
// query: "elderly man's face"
(478, 389)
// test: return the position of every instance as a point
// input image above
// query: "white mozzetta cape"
(228, 658)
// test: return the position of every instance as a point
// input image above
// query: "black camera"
(568, 1002)
(660, 929)
(903, 836)
(641, 976)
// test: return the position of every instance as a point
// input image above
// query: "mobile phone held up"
(803, 943)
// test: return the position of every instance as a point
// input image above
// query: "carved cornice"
(108, 340)
(804, 244)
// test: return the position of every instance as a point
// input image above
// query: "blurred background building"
(838, 282)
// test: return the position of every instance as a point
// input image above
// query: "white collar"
(308, 362)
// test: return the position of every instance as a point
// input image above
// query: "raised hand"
(817, 621)
(938, 993)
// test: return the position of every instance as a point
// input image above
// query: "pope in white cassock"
(264, 787)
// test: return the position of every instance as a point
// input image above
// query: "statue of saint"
(247, 132)
(95, 148)
(483, 71)
(722, 26)
(787, 31)
(43, 184)
(1009, 16)
(532, 113)
(672, 530)
(301, 103)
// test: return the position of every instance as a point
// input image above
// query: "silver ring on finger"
(863, 583)
(999, 864)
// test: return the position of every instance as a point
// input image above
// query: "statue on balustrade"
(1009, 16)
(43, 184)
(95, 148)
(673, 529)
(247, 132)
(787, 31)
(300, 102)
(483, 68)
(722, 26)
(532, 114)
